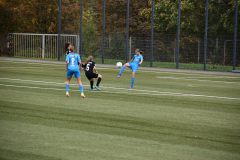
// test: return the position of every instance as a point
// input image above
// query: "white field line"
(31, 87)
(199, 80)
(202, 77)
(166, 77)
(26, 80)
(129, 92)
(115, 69)
(20, 67)
(34, 63)
(174, 94)
(107, 87)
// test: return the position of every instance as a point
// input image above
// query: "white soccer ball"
(119, 64)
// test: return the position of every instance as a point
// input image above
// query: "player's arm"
(141, 61)
(94, 68)
(132, 59)
(67, 62)
(83, 66)
(79, 62)
(66, 66)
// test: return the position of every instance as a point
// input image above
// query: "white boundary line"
(129, 92)
(20, 67)
(27, 80)
(202, 77)
(199, 80)
(36, 63)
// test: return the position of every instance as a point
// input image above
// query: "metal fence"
(42, 46)
(110, 33)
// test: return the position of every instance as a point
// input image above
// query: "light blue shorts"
(133, 66)
(75, 72)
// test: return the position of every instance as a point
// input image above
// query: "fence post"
(152, 32)
(235, 35)
(206, 34)
(127, 31)
(130, 47)
(43, 46)
(103, 29)
(80, 28)
(77, 42)
(59, 28)
(198, 51)
(224, 51)
(178, 34)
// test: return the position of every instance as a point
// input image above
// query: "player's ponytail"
(66, 47)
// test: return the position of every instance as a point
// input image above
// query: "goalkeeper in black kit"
(91, 73)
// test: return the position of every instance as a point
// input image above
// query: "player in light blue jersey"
(133, 65)
(73, 61)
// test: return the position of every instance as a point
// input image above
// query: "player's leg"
(81, 88)
(132, 80)
(99, 79)
(134, 70)
(69, 76)
(68, 86)
(122, 69)
(91, 83)
(79, 81)
(91, 80)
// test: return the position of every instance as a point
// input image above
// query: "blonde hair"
(90, 58)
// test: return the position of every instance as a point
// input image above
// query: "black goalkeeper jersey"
(88, 67)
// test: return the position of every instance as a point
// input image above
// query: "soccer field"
(168, 116)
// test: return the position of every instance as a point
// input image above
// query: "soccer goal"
(40, 46)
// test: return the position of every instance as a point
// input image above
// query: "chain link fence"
(42, 42)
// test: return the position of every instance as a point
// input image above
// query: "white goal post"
(41, 46)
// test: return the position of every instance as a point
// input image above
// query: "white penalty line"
(20, 67)
(198, 80)
(128, 93)
(27, 80)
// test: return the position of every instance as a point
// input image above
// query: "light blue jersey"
(73, 60)
(137, 59)
(135, 62)
(133, 65)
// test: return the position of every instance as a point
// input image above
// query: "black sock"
(98, 81)
(91, 84)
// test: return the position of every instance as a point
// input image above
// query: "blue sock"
(121, 70)
(132, 81)
(81, 88)
(67, 87)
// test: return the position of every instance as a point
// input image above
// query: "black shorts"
(91, 75)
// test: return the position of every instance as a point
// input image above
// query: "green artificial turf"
(169, 115)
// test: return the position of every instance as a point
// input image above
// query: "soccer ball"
(119, 64)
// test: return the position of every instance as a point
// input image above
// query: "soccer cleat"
(119, 75)
(67, 94)
(82, 95)
(97, 88)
